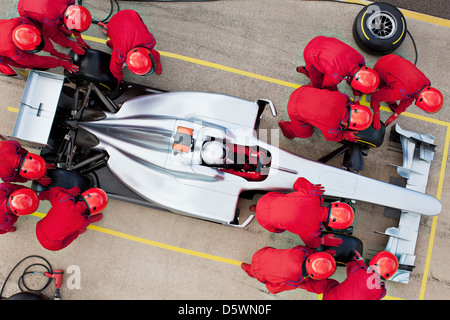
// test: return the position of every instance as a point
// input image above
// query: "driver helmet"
(214, 153)
(96, 200)
(23, 201)
(359, 118)
(385, 264)
(77, 18)
(365, 80)
(430, 100)
(341, 215)
(320, 265)
(32, 167)
(28, 38)
(139, 61)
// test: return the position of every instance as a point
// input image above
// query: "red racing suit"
(329, 61)
(400, 80)
(310, 107)
(10, 55)
(127, 30)
(362, 283)
(300, 212)
(12, 155)
(64, 222)
(279, 269)
(49, 15)
(7, 218)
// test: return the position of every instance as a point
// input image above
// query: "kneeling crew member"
(15, 201)
(70, 215)
(131, 43)
(330, 61)
(285, 269)
(402, 81)
(19, 165)
(333, 113)
(302, 213)
(20, 40)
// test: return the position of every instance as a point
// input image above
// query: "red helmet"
(320, 265)
(23, 201)
(33, 166)
(28, 38)
(430, 100)
(77, 18)
(96, 200)
(385, 264)
(341, 215)
(139, 61)
(365, 80)
(359, 118)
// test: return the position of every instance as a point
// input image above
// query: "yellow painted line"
(426, 18)
(443, 165)
(411, 14)
(38, 214)
(156, 244)
(356, 1)
(427, 119)
(85, 37)
(228, 69)
(418, 117)
(11, 109)
(392, 298)
(164, 246)
(210, 64)
(435, 218)
(409, 114)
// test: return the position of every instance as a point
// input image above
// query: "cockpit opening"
(249, 162)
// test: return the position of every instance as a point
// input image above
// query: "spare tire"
(379, 28)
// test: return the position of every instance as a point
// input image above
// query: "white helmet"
(214, 153)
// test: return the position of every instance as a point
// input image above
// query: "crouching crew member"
(15, 201)
(285, 269)
(20, 40)
(330, 61)
(58, 19)
(302, 213)
(69, 216)
(362, 282)
(131, 43)
(400, 80)
(333, 113)
(19, 165)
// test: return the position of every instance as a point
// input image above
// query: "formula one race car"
(147, 146)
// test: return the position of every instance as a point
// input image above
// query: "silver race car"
(154, 148)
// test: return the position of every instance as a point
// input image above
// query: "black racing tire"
(94, 68)
(379, 28)
(344, 253)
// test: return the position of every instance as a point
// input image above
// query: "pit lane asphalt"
(250, 50)
(436, 8)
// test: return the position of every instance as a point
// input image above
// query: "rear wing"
(37, 108)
